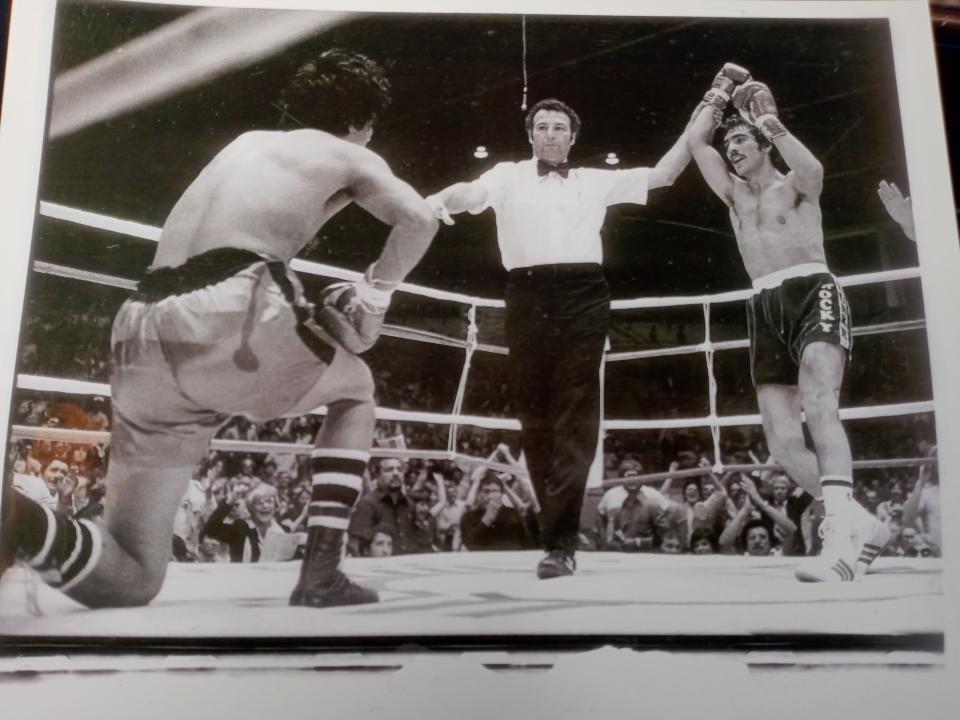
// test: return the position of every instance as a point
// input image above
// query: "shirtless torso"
(776, 226)
(268, 192)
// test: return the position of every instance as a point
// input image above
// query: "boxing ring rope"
(40, 383)
(397, 331)
(748, 468)
(472, 331)
(150, 232)
(738, 295)
(470, 345)
(126, 284)
(99, 437)
(95, 437)
(900, 326)
(711, 383)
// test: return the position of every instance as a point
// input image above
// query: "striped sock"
(874, 535)
(336, 486)
(869, 553)
(837, 492)
(69, 552)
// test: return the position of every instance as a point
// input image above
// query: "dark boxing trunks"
(783, 320)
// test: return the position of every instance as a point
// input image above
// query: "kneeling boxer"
(219, 326)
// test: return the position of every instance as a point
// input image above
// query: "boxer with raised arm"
(219, 326)
(798, 318)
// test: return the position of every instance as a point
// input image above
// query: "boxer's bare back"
(268, 192)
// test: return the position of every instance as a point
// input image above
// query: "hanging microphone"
(523, 30)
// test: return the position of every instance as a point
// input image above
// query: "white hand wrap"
(374, 294)
(353, 313)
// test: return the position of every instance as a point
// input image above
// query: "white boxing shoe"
(837, 558)
(851, 542)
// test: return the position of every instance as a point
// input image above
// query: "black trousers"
(556, 323)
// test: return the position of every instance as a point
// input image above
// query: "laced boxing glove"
(729, 77)
(757, 106)
(353, 312)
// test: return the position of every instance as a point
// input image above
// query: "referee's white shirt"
(546, 220)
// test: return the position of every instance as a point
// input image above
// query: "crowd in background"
(245, 506)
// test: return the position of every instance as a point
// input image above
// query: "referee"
(549, 217)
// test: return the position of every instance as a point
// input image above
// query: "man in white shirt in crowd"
(792, 501)
(35, 489)
(549, 217)
(613, 498)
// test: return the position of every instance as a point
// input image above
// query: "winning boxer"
(798, 318)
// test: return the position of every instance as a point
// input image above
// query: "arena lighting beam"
(184, 53)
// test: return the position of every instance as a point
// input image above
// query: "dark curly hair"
(556, 106)
(735, 120)
(757, 523)
(703, 534)
(732, 121)
(336, 91)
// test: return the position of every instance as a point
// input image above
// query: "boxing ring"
(490, 595)
(466, 635)
(899, 605)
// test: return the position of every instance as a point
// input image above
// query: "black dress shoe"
(557, 563)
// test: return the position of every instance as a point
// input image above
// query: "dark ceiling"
(458, 84)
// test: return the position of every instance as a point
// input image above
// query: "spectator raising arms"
(448, 513)
(700, 513)
(788, 499)
(742, 534)
(228, 525)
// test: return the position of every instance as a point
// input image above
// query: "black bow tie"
(561, 169)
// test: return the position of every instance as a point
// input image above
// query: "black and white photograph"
(610, 339)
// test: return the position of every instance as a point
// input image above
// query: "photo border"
(22, 134)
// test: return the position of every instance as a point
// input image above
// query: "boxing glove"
(724, 84)
(353, 312)
(757, 106)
